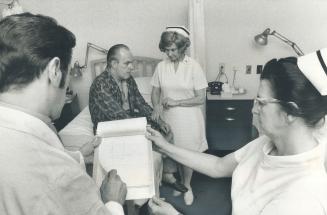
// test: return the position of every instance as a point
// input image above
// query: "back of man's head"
(27, 43)
(113, 51)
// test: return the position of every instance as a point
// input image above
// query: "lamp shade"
(262, 39)
(76, 70)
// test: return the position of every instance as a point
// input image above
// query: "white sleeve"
(115, 208)
(199, 79)
(155, 82)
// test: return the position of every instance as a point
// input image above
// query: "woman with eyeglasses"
(179, 86)
(281, 172)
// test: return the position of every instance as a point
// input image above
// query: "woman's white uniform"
(187, 123)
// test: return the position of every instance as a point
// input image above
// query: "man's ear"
(54, 72)
(114, 63)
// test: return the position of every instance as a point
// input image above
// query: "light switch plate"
(248, 69)
(259, 69)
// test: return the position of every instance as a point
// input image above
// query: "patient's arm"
(157, 107)
(210, 165)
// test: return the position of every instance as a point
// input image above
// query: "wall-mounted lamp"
(13, 7)
(262, 39)
(76, 71)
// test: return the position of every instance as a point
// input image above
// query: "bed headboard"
(143, 66)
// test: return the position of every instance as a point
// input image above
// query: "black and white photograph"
(163, 107)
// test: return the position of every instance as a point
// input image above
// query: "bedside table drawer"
(227, 106)
(230, 112)
(229, 123)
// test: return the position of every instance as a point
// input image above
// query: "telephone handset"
(215, 87)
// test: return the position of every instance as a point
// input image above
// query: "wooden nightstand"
(229, 121)
(68, 113)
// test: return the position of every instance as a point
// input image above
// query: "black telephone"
(215, 87)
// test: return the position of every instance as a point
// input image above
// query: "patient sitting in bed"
(114, 95)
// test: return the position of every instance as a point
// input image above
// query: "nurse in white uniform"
(178, 92)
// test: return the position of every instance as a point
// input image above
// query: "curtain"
(197, 31)
(197, 36)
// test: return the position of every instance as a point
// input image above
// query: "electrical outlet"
(259, 69)
(248, 69)
(221, 67)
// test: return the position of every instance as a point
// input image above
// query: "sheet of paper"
(130, 156)
(125, 148)
(125, 127)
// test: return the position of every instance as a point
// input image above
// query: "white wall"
(137, 23)
(230, 28)
(232, 24)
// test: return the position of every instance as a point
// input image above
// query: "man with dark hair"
(37, 176)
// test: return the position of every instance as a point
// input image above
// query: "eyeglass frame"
(264, 101)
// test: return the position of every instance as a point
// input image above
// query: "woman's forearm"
(210, 165)
(155, 96)
(198, 100)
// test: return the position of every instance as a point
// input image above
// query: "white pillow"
(145, 88)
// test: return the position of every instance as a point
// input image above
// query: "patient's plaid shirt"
(106, 103)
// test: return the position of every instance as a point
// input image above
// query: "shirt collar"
(185, 60)
(313, 156)
(15, 118)
(40, 116)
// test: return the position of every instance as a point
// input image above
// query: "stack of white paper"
(125, 148)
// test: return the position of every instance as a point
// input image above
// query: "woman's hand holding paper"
(156, 138)
(156, 113)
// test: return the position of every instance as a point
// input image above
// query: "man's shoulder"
(24, 153)
(101, 80)
(101, 77)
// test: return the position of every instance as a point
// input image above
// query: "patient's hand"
(169, 136)
(156, 113)
(160, 207)
(164, 126)
(113, 188)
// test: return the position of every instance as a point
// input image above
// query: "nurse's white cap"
(179, 29)
(313, 66)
